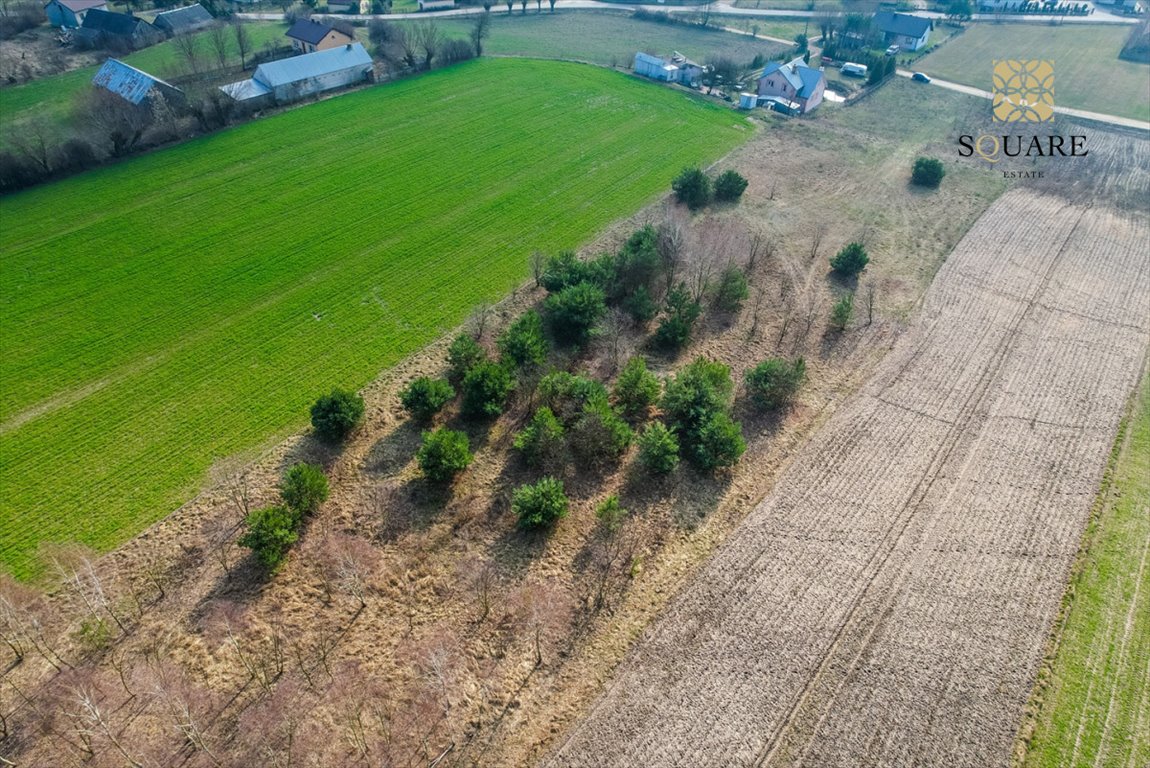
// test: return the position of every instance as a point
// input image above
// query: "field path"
(889, 602)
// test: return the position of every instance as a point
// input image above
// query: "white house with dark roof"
(910, 33)
(70, 13)
(677, 69)
(793, 82)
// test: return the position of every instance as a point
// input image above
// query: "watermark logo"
(1023, 91)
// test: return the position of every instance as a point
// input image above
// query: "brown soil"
(889, 601)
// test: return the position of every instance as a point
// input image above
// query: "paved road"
(1080, 113)
(722, 7)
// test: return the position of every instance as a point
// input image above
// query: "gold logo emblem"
(1023, 91)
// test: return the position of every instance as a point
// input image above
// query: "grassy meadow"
(1097, 708)
(186, 305)
(1087, 71)
(605, 38)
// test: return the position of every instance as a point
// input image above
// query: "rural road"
(889, 603)
(723, 7)
(1098, 117)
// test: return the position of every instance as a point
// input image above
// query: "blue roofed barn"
(133, 85)
(70, 13)
(297, 77)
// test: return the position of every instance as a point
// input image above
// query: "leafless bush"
(480, 578)
(544, 612)
(16, 17)
(108, 118)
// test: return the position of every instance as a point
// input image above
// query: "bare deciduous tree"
(478, 574)
(818, 232)
(538, 265)
(34, 140)
(243, 40)
(869, 297)
(478, 320)
(428, 39)
(544, 611)
(218, 39)
(188, 49)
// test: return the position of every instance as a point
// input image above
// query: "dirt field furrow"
(888, 603)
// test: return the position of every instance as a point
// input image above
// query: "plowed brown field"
(888, 604)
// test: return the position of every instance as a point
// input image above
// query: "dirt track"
(888, 604)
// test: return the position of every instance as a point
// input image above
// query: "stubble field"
(889, 602)
(190, 304)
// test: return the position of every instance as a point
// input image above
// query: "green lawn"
(1097, 709)
(1087, 71)
(52, 97)
(605, 38)
(189, 304)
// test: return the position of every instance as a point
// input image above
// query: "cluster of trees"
(408, 48)
(696, 190)
(271, 531)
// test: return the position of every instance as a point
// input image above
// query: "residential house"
(690, 72)
(297, 77)
(122, 30)
(309, 36)
(793, 82)
(436, 5)
(910, 33)
(183, 20)
(70, 13)
(133, 85)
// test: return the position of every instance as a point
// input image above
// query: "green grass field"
(1087, 71)
(183, 306)
(605, 38)
(52, 97)
(1097, 709)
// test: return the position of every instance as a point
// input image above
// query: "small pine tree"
(772, 383)
(636, 389)
(732, 290)
(851, 260)
(444, 454)
(681, 312)
(336, 416)
(523, 343)
(640, 306)
(485, 390)
(425, 397)
(927, 172)
(611, 514)
(463, 355)
(658, 448)
(693, 188)
(539, 505)
(271, 533)
(304, 488)
(718, 442)
(574, 311)
(729, 186)
(541, 441)
(600, 435)
(567, 395)
(842, 311)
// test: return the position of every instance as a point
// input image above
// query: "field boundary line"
(1105, 496)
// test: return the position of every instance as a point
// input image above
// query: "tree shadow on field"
(692, 495)
(310, 450)
(394, 451)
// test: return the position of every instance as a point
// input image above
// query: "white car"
(892, 50)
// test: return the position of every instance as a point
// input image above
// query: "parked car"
(854, 70)
(892, 50)
(920, 77)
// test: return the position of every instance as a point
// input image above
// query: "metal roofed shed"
(180, 20)
(131, 84)
(297, 77)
